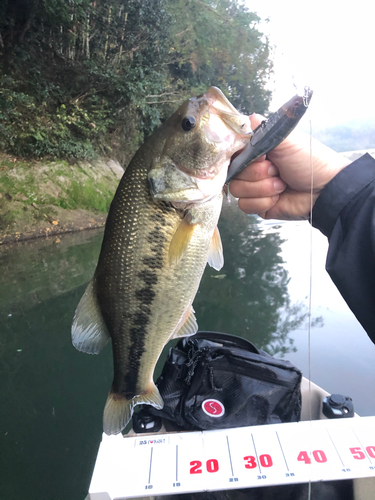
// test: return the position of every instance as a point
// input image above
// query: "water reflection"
(340, 356)
(249, 296)
(36, 270)
(50, 412)
(52, 396)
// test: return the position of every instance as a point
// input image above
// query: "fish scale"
(145, 318)
(160, 232)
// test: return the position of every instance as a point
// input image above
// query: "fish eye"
(188, 123)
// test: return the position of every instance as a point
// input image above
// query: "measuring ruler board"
(243, 457)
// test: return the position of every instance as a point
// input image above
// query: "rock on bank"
(45, 198)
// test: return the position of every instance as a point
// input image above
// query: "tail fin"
(118, 410)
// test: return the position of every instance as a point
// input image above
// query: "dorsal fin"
(180, 241)
(215, 256)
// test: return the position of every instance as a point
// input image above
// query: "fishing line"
(306, 93)
(311, 277)
(311, 258)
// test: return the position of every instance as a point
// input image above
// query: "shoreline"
(47, 198)
(79, 222)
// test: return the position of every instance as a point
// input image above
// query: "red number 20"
(212, 465)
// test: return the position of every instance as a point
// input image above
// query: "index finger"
(257, 170)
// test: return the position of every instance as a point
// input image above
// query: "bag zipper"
(252, 372)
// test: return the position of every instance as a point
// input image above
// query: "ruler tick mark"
(176, 463)
(149, 474)
(230, 456)
(256, 454)
(282, 451)
(335, 448)
(363, 448)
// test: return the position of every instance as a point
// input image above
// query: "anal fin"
(187, 326)
(216, 256)
(89, 332)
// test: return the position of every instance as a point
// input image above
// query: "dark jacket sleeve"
(345, 213)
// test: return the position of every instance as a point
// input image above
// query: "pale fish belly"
(171, 306)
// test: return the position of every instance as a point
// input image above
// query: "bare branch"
(159, 95)
(182, 59)
(181, 32)
(161, 102)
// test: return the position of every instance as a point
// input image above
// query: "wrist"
(324, 173)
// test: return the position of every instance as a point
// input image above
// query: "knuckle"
(235, 187)
(258, 171)
(255, 205)
(266, 187)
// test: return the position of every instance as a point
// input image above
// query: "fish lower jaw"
(183, 201)
(183, 205)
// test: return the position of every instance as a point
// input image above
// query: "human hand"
(279, 186)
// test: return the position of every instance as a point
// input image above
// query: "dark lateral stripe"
(145, 296)
(149, 277)
(137, 334)
(155, 262)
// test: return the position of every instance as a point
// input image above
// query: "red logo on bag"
(213, 408)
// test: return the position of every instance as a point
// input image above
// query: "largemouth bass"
(160, 233)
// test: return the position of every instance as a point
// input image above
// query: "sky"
(329, 45)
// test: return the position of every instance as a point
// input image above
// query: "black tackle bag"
(215, 380)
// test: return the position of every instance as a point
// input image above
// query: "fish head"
(200, 138)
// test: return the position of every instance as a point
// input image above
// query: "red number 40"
(319, 456)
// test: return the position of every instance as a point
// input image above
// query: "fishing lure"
(271, 132)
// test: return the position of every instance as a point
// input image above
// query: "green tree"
(88, 76)
(218, 43)
(74, 76)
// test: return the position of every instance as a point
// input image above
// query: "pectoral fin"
(189, 325)
(215, 256)
(180, 241)
(89, 332)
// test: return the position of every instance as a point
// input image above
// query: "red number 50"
(359, 455)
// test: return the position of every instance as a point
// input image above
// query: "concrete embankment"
(47, 198)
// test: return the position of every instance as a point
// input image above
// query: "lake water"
(52, 396)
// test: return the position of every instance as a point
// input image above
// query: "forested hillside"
(80, 78)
